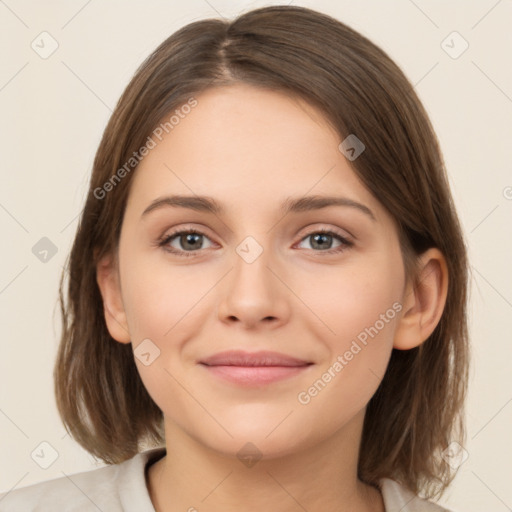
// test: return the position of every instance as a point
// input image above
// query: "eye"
(183, 243)
(189, 242)
(322, 240)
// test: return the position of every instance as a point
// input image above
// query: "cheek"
(358, 308)
(164, 304)
(345, 301)
(159, 299)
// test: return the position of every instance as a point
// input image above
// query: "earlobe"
(108, 282)
(423, 301)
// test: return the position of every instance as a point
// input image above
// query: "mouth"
(254, 369)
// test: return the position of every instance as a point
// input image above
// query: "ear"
(423, 301)
(107, 277)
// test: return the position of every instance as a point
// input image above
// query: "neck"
(322, 476)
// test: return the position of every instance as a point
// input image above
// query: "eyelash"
(162, 242)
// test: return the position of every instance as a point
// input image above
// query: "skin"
(250, 149)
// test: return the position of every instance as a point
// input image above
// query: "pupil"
(317, 240)
(190, 238)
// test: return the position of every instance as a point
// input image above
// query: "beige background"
(54, 111)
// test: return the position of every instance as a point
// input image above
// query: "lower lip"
(255, 375)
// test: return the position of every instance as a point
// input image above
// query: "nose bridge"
(251, 266)
(253, 292)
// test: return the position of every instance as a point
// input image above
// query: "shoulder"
(118, 487)
(398, 498)
(81, 491)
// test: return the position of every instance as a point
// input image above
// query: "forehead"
(244, 144)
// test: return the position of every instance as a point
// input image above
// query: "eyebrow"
(290, 205)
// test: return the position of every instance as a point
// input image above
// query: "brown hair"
(418, 408)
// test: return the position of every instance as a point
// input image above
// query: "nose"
(253, 294)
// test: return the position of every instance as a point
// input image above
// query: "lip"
(254, 368)
(261, 358)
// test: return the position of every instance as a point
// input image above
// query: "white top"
(122, 488)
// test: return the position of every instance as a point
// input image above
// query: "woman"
(267, 286)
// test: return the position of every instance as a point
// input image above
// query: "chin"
(263, 440)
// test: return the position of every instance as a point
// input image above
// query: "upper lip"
(261, 358)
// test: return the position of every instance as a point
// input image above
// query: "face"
(318, 283)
